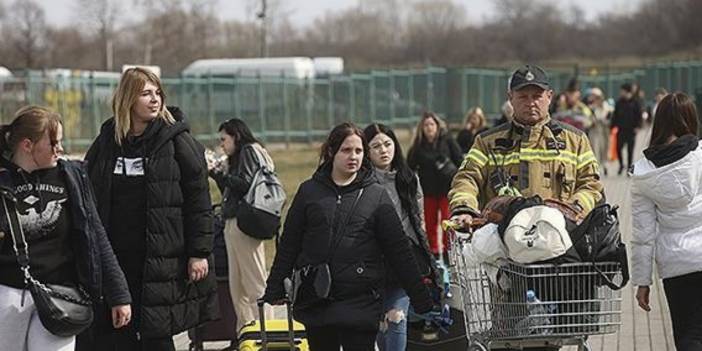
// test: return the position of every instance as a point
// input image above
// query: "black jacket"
(236, 182)
(373, 231)
(423, 159)
(178, 225)
(627, 115)
(98, 271)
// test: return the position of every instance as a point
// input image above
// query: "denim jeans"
(392, 335)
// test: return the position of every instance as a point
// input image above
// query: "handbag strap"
(623, 261)
(19, 241)
(336, 239)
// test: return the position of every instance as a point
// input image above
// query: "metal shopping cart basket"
(512, 305)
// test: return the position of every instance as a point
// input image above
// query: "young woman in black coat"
(435, 156)
(152, 189)
(343, 217)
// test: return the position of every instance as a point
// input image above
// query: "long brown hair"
(419, 132)
(30, 122)
(676, 115)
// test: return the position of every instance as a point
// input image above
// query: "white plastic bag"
(487, 244)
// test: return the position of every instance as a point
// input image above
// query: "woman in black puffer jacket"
(343, 209)
(150, 179)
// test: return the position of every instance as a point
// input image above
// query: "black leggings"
(331, 338)
(628, 139)
(684, 295)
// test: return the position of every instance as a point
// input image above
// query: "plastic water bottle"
(535, 321)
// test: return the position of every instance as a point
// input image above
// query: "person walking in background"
(435, 156)
(571, 110)
(246, 255)
(507, 112)
(343, 222)
(627, 119)
(599, 132)
(473, 124)
(402, 185)
(150, 178)
(66, 242)
(666, 204)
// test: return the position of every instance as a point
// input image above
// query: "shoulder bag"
(311, 284)
(63, 310)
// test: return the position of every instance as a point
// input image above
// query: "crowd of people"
(132, 225)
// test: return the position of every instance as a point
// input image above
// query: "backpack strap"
(262, 162)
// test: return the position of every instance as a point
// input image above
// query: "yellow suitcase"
(273, 335)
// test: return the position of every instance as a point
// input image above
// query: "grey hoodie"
(387, 180)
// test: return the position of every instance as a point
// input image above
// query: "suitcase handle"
(262, 323)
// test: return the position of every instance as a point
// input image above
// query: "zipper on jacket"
(338, 199)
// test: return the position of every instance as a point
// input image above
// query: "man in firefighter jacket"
(531, 155)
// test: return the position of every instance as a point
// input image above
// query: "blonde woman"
(150, 178)
(435, 156)
(473, 124)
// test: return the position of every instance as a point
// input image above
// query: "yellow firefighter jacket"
(550, 159)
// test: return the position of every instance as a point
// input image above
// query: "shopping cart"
(513, 306)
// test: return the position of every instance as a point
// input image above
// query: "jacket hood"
(672, 184)
(164, 134)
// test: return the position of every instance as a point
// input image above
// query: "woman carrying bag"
(435, 156)
(246, 254)
(340, 228)
(48, 205)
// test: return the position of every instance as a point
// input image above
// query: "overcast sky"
(303, 12)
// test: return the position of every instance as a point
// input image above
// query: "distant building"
(290, 67)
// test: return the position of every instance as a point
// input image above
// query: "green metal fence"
(281, 109)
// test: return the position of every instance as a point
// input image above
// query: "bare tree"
(69, 48)
(432, 29)
(101, 16)
(26, 30)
